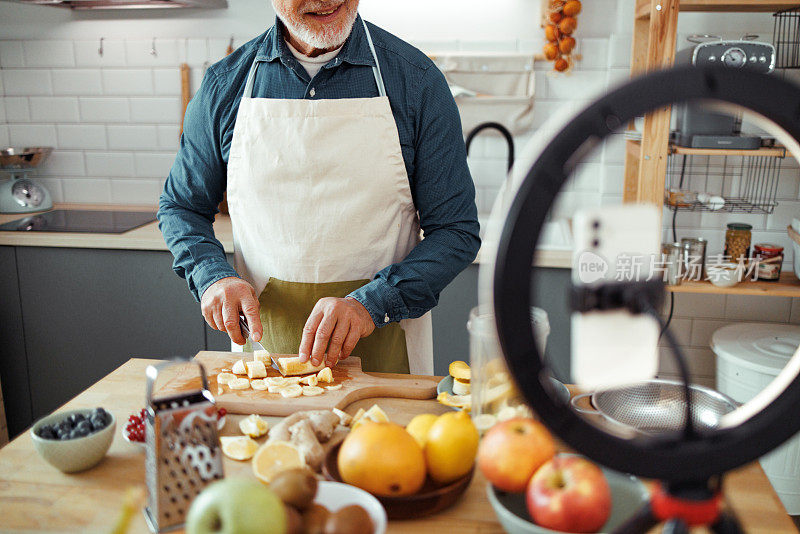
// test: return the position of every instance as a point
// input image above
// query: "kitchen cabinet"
(71, 315)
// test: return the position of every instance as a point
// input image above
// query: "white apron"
(318, 193)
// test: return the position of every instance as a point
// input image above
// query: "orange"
(382, 458)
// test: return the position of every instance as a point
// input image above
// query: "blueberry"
(76, 418)
(102, 413)
(85, 427)
(98, 422)
(64, 435)
(47, 432)
(64, 426)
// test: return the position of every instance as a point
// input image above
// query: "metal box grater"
(182, 451)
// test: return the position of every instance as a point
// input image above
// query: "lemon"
(238, 447)
(374, 414)
(275, 457)
(253, 426)
(451, 447)
(419, 427)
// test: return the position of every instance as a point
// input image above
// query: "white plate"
(335, 495)
(220, 426)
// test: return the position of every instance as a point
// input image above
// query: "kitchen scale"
(20, 194)
(690, 463)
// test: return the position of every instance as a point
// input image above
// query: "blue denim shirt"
(433, 149)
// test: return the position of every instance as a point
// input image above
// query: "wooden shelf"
(778, 152)
(722, 6)
(787, 286)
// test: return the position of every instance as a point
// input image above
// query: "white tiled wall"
(114, 119)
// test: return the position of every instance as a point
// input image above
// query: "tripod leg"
(642, 521)
(727, 523)
(675, 526)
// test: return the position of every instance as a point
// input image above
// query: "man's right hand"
(223, 300)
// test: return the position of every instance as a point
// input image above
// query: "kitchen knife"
(246, 331)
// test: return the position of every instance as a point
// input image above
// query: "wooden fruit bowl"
(432, 498)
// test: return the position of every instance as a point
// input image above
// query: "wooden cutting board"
(356, 385)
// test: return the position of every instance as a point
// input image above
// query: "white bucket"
(749, 357)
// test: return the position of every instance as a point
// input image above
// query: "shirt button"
(312, 92)
(386, 319)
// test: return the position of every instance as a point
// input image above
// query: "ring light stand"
(690, 467)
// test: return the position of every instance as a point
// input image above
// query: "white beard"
(330, 38)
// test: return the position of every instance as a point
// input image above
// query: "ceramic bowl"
(336, 495)
(628, 494)
(73, 455)
(724, 274)
(430, 499)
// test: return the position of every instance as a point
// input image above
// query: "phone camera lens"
(596, 243)
(596, 224)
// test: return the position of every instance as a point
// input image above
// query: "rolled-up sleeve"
(192, 192)
(444, 196)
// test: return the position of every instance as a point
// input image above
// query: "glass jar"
(769, 258)
(737, 242)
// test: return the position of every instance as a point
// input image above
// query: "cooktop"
(92, 221)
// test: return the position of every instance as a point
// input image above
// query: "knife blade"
(246, 331)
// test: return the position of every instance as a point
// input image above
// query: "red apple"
(512, 451)
(569, 493)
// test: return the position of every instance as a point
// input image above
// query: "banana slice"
(312, 391)
(239, 368)
(276, 381)
(461, 387)
(288, 380)
(325, 376)
(256, 370)
(310, 380)
(239, 383)
(253, 426)
(333, 387)
(259, 384)
(289, 392)
(262, 356)
(275, 389)
(225, 378)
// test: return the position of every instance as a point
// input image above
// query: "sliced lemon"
(455, 401)
(377, 414)
(312, 391)
(275, 457)
(259, 384)
(238, 447)
(253, 426)
(295, 390)
(239, 368)
(459, 369)
(325, 376)
(225, 378)
(359, 414)
(239, 383)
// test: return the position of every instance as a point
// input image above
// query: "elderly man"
(336, 142)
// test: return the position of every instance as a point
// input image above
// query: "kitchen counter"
(35, 496)
(148, 237)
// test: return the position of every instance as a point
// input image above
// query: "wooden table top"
(36, 497)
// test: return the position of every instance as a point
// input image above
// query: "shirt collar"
(355, 51)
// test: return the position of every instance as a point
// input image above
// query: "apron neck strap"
(376, 70)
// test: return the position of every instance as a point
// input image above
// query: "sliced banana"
(275, 389)
(239, 383)
(291, 380)
(333, 387)
(461, 387)
(312, 391)
(261, 356)
(253, 426)
(239, 368)
(310, 380)
(259, 384)
(325, 376)
(256, 370)
(294, 390)
(276, 381)
(225, 378)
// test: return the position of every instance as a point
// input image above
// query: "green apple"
(236, 506)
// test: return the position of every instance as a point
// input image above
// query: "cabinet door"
(13, 361)
(87, 311)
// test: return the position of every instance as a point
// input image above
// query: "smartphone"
(614, 244)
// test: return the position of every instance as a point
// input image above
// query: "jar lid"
(740, 226)
(768, 247)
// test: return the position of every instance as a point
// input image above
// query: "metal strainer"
(658, 406)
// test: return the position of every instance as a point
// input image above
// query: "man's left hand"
(333, 328)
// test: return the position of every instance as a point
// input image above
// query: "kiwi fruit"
(295, 487)
(351, 519)
(294, 521)
(315, 518)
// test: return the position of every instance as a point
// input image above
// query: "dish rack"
(723, 181)
(786, 38)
